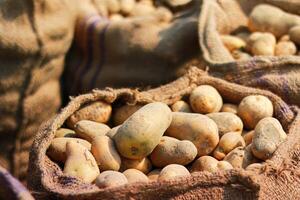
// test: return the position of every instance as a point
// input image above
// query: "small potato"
(249, 158)
(106, 154)
(239, 55)
(232, 42)
(113, 6)
(116, 17)
(181, 106)
(134, 175)
(142, 9)
(244, 35)
(153, 175)
(197, 128)
(253, 108)
(173, 171)
(123, 113)
(224, 165)
(112, 132)
(140, 133)
(268, 135)
(205, 163)
(144, 165)
(284, 38)
(285, 48)
(248, 135)
(228, 107)
(240, 157)
(127, 6)
(57, 149)
(64, 132)
(254, 167)
(111, 179)
(227, 122)
(88, 130)
(228, 142)
(261, 44)
(80, 163)
(164, 14)
(177, 3)
(97, 112)
(294, 34)
(205, 99)
(173, 151)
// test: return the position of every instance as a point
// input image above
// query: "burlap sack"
(139, 51)
(277, 179)
(280, 75)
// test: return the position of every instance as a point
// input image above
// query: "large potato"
(141, 132)
(88, 130)
(181, 106)
(134, 175)
(111, 179)
(80, 163)
(105, 153)
(97, 112)
(227, 143)
(197, 128)
(122, 113)
(173, 171)
(227, 122)
(205, 163)
(57, 149)
(64, 132)
(205, 99)
(253, 108)
(144, 165)
(268, 135)
(173, 151)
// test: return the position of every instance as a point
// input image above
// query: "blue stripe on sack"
(102, 55)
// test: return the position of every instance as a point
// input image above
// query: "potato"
(144, 165)
(121, 114)
(244, 35)
(154, 174)
(106, 154)
(267, 18)
(164, 14)
(205, 99)
(268, 135)
(239, 55)
(205, 163)
(294, 34)
(249, 158)
(227, 122)
(88, 130)
(248, 135)
(141, 132)
(181, 106)
(80, 163)
(228, 107)
(116, 17)
(224, 165)
(142, 9)
(113, 6)
(197, 128)
(177, 3)
(127, 6)
(134, 175)
(111, 179)
(285, 48)
(284, 38)
(254, 167)
(173, 151)
(232, 42)
(228, 142)
(97, 112)
(64, 132)
(173, 171)
(253, 108)
(261, 44)
(57, 149)
(112, 132)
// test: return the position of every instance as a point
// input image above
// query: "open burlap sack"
(280, 75)
(138, 51)
(277, 179)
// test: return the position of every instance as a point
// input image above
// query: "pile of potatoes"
(270, 32)
(119, 9)
(155, 142)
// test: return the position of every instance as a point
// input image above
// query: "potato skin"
(261, 44)
(248, 136)
(173, 171)
(65, 132)
(134, 175)
(285, 48)
(268, 135)
(224, 165)
(232, 42)
(122, 113)
(227, 122)
(105, 153)
(173, 151)
(57, 149)
(111, 179)
(112, 132)
(205, 163)
(181, 106)
(240, 157)
(197, 128)
(88, 130)
(294, 34)
(144, 165)
(228, 107)
(141, 132)
(253, 108)
(154, 174)
(205, 99)
(97, 112)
